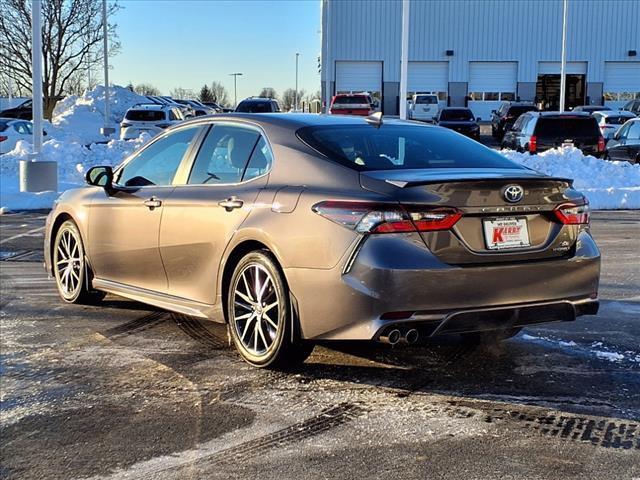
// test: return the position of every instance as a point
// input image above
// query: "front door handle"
(231, 203)
(152, 203)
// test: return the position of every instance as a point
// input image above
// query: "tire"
(70, 268)
(491, 337)
(259, 315)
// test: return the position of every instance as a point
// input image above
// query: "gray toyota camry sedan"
(294, 228)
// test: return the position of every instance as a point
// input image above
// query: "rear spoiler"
(416, 183)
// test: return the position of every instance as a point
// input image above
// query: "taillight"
(366, 217)
(3, 138)
(601, 144)
(572, 214)
(533, 144)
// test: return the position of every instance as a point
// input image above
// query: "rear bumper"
(395, 279)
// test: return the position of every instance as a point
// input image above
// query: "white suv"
(424, 107)
(151, 119)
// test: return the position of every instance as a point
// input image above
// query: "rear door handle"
(152, 203)
(231, 203)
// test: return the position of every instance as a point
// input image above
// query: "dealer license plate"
(504, 233)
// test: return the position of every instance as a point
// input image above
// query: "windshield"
(567, 127)
(426, 99)
(145, 115)
(397, 147)
(457, 115)
(254, 107)
(351, 100)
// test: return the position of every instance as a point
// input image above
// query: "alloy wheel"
(256, 309)
(68, 264)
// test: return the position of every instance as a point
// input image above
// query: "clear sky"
(187, 43)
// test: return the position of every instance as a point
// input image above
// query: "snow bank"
(73, 159)
(608, 185)
(79, 118)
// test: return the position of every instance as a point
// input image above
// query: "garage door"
(359, 77)
(429, 77)
(490, 84)
(621, 83)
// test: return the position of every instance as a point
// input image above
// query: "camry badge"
(513, 193)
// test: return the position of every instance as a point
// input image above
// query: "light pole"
(106, 130)
(404, 59)
(295, 98)
(563, 63)
(235, 87)
(37, 175)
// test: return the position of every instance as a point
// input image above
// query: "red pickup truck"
(352, 104)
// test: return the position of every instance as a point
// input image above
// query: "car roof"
(150, 106)
(615, 113)
(258, 99)
(297, 120)
(454, 108)
(520, 104)
(559, 114)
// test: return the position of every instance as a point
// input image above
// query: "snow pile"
(607, 185)
(74, 159)
(79, 118)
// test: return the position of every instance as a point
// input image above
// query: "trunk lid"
(480, 195)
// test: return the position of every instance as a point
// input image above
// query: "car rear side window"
(145, 115)
(396, 147)
(567, 127)
(223, 155)
(158, 163)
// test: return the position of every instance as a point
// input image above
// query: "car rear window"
(351, 100)
(615, 120)
(456, 115)
(398, 147)
(567, 127)
(254, 107)
(426, 99)
(145, 115)
(517, 111)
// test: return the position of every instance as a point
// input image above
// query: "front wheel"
(259, 314)
(69, 266)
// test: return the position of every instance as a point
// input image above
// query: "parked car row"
(12, 130)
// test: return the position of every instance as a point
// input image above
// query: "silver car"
(294, 228)
(610, 121)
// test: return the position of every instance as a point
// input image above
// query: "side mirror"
(478, 119)
(100, 177)
(494, 112)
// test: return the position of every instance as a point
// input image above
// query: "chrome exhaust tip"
(391, 337)
(411, 336)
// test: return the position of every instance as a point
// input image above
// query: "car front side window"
(224, 154)
(633, 132)
(158, 163)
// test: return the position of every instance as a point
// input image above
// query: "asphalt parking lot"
(126, 391)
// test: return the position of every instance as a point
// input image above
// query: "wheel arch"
(55, 226)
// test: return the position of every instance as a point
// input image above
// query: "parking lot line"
(25, 234)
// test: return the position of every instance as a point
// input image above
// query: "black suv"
(632, 106)
(503, 118)
(258, 105)
(536, 132)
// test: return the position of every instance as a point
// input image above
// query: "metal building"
(481, 52)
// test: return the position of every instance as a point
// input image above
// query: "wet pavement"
(126, 391)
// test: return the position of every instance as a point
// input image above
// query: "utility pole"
(295, 101)
(235, 87)
(326, 57)
(563, 63)
(404, 59)
(37, 175)
(106, 130)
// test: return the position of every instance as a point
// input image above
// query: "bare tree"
(71, 41)
(146, 89)
(289, 98)
(220, 94)
(182, 93)
(268, 92)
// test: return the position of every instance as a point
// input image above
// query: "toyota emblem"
(513, 193)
